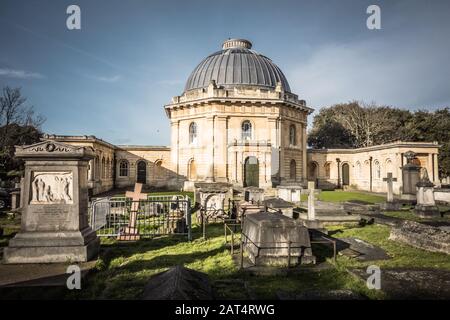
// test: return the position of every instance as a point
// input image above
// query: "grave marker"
(390, 204)
(131, 232)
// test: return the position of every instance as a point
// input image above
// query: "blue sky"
(113, 77)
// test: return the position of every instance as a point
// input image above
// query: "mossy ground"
(123, 269)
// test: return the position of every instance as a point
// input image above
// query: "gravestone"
(274, 239)
(410, 177)
(254, 194)
(131, 232)
(101, 210)
(311, 221)
(426, 205)
(290, 193)
(213, 197)
(390, 203)
(54, 225)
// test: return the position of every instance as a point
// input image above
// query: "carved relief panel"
(51, 187)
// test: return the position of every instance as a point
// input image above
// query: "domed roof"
(237, 64)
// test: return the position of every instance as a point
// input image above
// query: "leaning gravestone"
(54, 224)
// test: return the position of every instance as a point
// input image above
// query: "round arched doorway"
(251, 172)
(345, 174)
(141, 172)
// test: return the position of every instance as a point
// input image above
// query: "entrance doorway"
(251, 172)
(141, 172)
(345, 174)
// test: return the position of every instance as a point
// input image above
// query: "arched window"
(292, 135)
(377, 169)
(327, 170)
(358, 172)
(193, 132)
(192, 170)
(123, 168)
(108, 169)
(103, 168)
(246, 130)
(158, 170)
(97, 168)
(389, 167)
(293, 170)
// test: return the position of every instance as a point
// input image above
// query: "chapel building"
(237, 121)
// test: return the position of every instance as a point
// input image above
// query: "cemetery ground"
(123, 268)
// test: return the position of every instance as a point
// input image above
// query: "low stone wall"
(442, 195)
(422, 236)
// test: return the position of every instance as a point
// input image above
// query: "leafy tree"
(356, 124)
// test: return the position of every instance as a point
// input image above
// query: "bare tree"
(13, 110)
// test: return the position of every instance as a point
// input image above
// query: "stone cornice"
(397, 144)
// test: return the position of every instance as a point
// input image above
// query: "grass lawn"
(343, 196)
(124, 269)
(409, 215)
(403, 256)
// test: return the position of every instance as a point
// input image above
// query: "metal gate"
(156, 216)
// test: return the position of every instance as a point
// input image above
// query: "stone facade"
(220, 150)
(366, 167)
(237, 121)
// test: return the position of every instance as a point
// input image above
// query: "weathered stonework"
(54, 225)
(422, 236)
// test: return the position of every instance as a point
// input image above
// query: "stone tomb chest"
(268, 237)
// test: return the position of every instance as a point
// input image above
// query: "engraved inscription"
(52, 187)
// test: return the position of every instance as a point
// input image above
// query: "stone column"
(209, 175)
(174, 150)
(54, 224)
(221, 154)
(304, 153)
(91, 170)
(436, 170)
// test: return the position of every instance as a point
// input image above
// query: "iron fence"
(156, 216)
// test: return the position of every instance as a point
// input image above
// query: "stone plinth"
(54, 225)
(290, 193)
(270, 234)
(213, 194)
(410, 177)
(442, 195)
(15, 200)
(426, 205)
(254, 194)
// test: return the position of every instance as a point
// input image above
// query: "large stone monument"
(410, 177)
(274, 239)
(426, 205)
(54, 224)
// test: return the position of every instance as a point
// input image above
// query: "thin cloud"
(20, 74)
(110, 79)
(170, 82)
